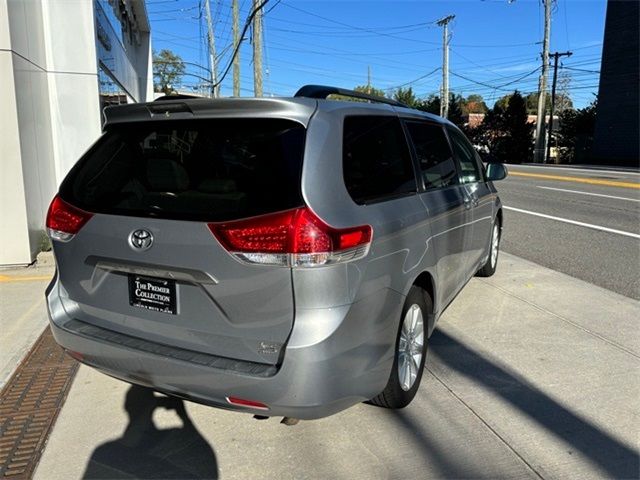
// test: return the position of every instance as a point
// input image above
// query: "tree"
(575, 136)
(431, 104)
(505, 132)
(474, 103)
(406, 96)
(455, 109)
(368, 89)
(562, 102)
(168, 69)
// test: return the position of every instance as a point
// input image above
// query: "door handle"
(471, 201)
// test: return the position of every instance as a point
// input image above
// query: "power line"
(244, 31)
(497, 87)
(415, 80)
(383, 34)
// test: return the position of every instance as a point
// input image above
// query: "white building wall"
(14, 237)
(50, 109)
(27, 167)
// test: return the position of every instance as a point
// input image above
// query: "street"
(608, 258)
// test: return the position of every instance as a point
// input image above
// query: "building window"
(110, 91)
(105, 11)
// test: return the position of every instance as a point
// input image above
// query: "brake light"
(64, 220)
(292, 238)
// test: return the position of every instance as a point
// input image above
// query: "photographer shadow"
(144, 451)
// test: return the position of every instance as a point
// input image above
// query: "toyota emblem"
(141, 239)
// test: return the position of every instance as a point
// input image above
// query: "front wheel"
(489, 268)
(410, 352)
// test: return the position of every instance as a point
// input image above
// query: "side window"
(376, 161)
(434, 154)
(470, 170)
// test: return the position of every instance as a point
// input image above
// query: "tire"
(400, 391)
(489, 268)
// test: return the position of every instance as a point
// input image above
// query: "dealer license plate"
(157, 294)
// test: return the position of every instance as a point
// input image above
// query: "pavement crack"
(564, 319)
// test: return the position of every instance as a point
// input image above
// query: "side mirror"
(496, 171)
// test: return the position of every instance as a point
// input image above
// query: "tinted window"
(209, 170)
(434, 154)
(466, 155)
(376, 159)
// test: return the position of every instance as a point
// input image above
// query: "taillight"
(295, 238)
(64, 220)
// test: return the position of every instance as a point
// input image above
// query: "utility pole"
(215, 89)
(236, 40)
(444, 99)
(257, 48)
(538, 152)
(555, 56)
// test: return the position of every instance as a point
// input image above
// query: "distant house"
(473, 120)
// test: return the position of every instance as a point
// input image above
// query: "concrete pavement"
(23, 314)
(530, 374)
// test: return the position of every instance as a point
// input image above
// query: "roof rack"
(178, 96)
(322, 92)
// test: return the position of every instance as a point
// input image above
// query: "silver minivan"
(281, 256)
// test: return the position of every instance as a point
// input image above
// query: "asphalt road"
(605, 251)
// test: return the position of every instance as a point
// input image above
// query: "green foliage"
(44, 243)
(455, 110)
(531, 101)
(168, 69)
(431, 104)
(575, 136)
(474, 104)
(505, 132)
(406, 96)
(368, 89)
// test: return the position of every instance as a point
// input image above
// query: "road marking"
(576, 170)
(574, 222)
(8, 279)
(592, 181)
(589, 193)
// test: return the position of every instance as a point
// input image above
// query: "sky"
(495, 45)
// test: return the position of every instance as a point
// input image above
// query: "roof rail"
(322, 92)
(178, 96)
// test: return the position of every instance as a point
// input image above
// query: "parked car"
(282, 256)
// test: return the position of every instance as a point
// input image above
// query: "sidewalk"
(23, 314)
(531, 374)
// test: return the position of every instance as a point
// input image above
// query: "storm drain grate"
(29, 404)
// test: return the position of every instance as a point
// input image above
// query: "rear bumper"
(335, 358)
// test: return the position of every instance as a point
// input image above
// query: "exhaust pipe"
(289, 421)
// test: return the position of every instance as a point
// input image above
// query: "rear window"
(376, 161)
(206, 170)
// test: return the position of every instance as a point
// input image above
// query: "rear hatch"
(147, 265)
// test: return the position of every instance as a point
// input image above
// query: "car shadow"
(611, 455)
(144, 451)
